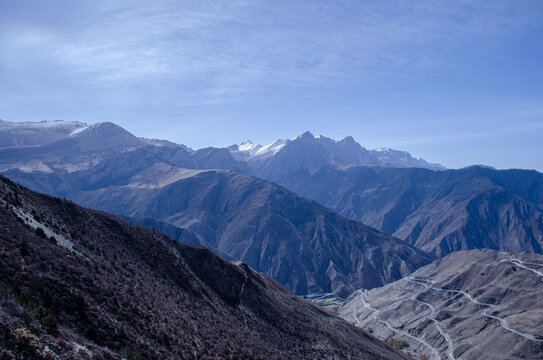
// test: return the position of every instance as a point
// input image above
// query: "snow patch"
(270, 149)
(4, 125)
(248, 145)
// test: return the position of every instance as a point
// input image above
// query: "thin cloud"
(217, 52)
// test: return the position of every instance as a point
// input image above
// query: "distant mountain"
(306, 154)
(215, 158)
(88, 145)
(437, 211)
(36, 133)
(164, 143)
(402, 159)
(77, 283)
(478, 304)
(100, 137)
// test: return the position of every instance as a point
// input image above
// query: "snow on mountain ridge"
(248, 150)
(4, 125)
(35, 133)
(271, 149)
(347, 151)
(164, 143)
(249, 146)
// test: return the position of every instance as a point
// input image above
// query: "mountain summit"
(306, 154)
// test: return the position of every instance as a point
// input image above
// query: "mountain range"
(436, 211)
(306, 154)
(298, 242)
(78, 283)
(36, 133)
(322, 217)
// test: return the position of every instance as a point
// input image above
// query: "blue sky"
(456, 82)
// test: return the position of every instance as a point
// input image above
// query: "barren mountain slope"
(88, 285)
(298, 242)
(437, 211)
(478, 304)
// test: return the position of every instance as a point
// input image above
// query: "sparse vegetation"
(46, 319)
(91, 333)
(24, 248)
(146, 300)
(397, 343)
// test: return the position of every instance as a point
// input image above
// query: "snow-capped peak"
(99, 127)
(305, 135)
(248, 145)
(344, 152)
(382, 149)
(270, 149)
(78, 130)
(248, 150)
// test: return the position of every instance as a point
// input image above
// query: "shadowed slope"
(105, 288)
(298, 242)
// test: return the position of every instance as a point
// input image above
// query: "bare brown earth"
(479, 304)
(77, 283)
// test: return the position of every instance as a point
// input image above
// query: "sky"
(455, 82)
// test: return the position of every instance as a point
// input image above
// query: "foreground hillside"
(478, 304)
(77, 283)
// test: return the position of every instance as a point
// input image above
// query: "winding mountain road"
(436, 324)
(514, 261)
(375, 314)
(502, 321)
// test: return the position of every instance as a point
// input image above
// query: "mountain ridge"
(437, 211)
(223, 207)
(79, 283)
(318, 151)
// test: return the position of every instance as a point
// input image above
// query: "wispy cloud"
(218, 51)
